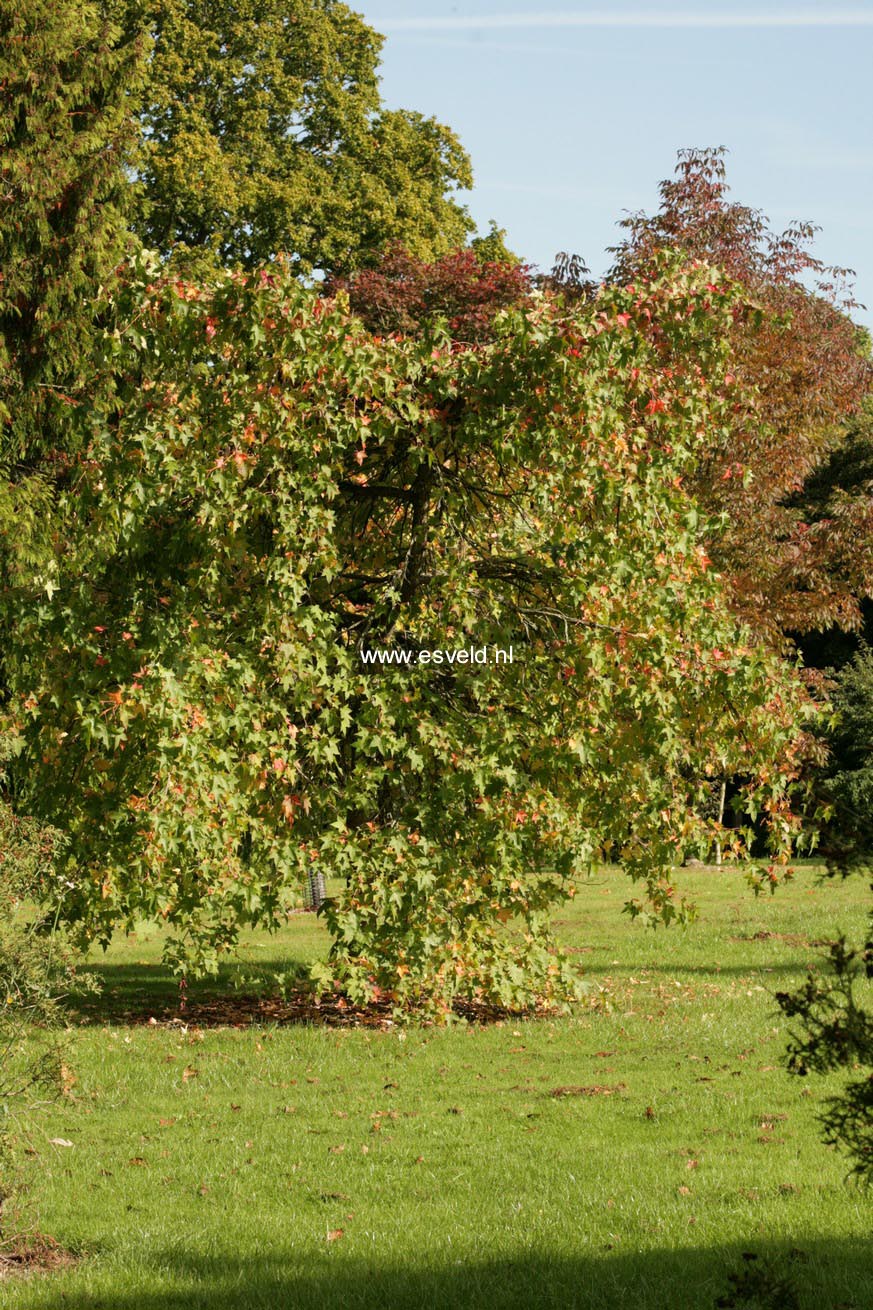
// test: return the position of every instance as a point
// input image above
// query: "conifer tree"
(66, 132)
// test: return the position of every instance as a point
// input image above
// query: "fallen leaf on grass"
(767, 1123)
(684, 1191)
(136, 1160)
(595, 1090)
(334, 1234)
(189, 1072)
(336, 1150)
(166, 1123)
(59, 1141)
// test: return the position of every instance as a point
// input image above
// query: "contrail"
(638, 18)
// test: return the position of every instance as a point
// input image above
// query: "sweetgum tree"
(286, 490)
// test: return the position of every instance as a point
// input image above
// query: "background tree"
(804, 369)
(408, 295)
(841, 491)
(263, 132)
(65, 133)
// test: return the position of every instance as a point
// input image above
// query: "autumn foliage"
(404, 294)
(801, 372)
(274, 489)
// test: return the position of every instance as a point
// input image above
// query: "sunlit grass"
(623, 1157)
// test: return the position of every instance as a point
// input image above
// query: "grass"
(315, 1167)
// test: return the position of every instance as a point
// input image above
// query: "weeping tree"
(434, 619)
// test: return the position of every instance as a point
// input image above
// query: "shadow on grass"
(815, 1276)
(135, 993)
(143, 993)
(652, 972)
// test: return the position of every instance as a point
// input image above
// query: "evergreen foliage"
(65, 134)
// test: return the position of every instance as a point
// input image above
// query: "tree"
(849, 775)
(408, 295)
(836, 1033)
(841, 491)
(802, 370)
(263, 132)
(65, 130)
(277, 492)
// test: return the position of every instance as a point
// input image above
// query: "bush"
(37, 967)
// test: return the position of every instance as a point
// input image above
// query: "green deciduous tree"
(264, 132)
(276, 491)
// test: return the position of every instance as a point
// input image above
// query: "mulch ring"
(301, 1008)
(33, 1253)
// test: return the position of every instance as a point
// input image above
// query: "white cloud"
(777, 18)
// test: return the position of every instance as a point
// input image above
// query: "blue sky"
(573, 114)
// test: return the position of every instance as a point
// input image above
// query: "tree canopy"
(66, 132)
(803, 369)
(275, 490)
(264, 132)
(465, 287)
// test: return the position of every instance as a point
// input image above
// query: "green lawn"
(316, 1167)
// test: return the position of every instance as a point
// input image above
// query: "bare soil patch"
(32, 1254)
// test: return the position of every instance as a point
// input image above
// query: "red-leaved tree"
(402, 294)
(802, 370)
